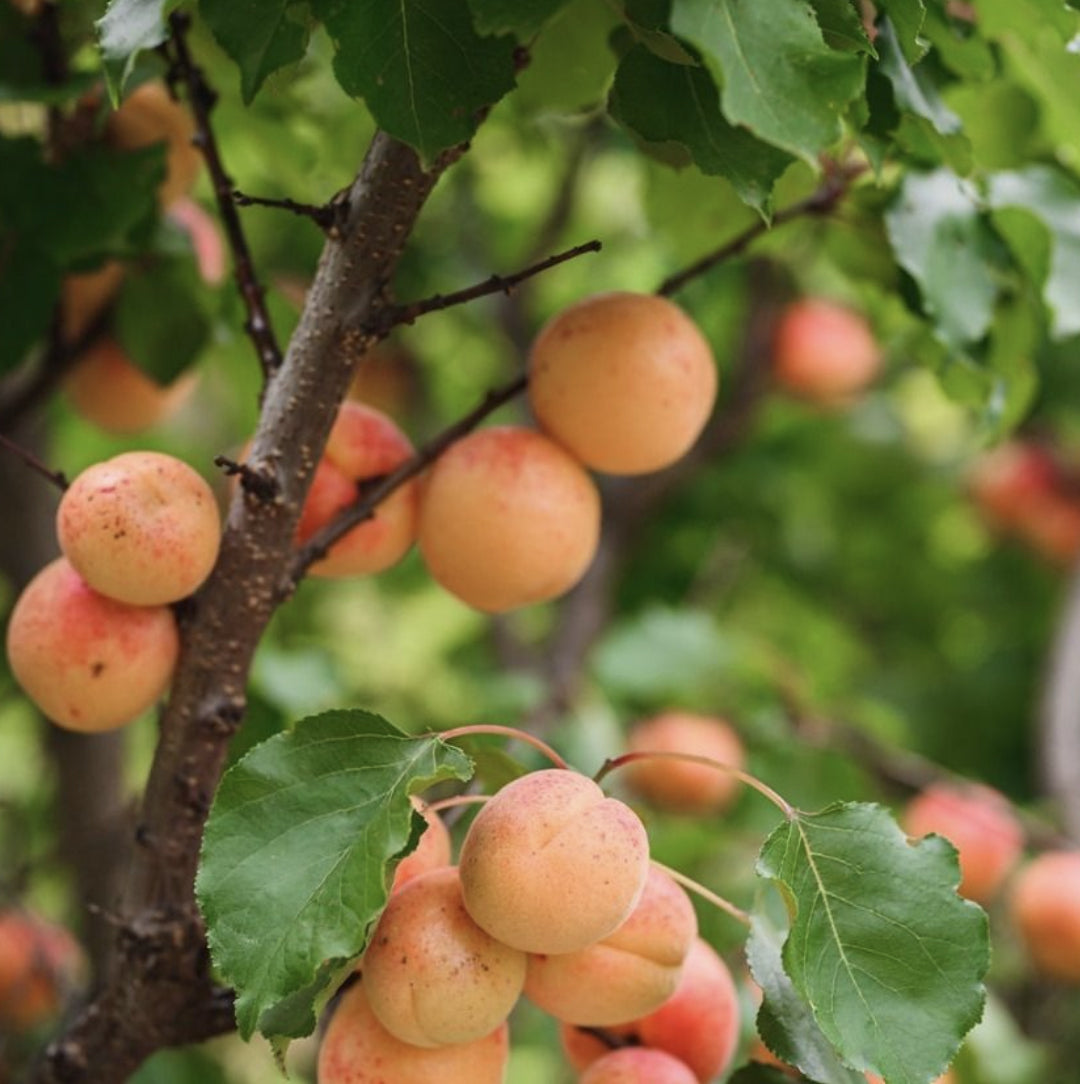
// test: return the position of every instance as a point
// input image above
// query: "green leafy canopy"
(298, 854)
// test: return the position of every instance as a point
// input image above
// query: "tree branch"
(57, 477)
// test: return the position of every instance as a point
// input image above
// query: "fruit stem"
(691, 885)
(508, 732)
(455, 801)
(777, 800)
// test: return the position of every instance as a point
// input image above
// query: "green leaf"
(523, 18)
(419, 65)
(785, 1021)
(298, 854)
(779, 78)
(126, 29)
(646, 23)
(259, 35)
(29, 290)
(889, 958)
(675, 108)
(940, 237)
(842, 26)
(1053, 199)
(912, 87)
(756, 1073)
(907, 16)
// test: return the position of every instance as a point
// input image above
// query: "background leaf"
(524, 18)
(298, 853)
(126, 29)
(888, 956)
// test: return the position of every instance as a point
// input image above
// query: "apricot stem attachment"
(752, 781)
(455, 802)
(706, 894)
(506, 732)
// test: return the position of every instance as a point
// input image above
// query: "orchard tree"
(675, 336)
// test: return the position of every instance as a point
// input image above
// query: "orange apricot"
(84, 295)
(1045, 907)
(432, 850)
(638, 1065)
(38, 962)
(625, 382)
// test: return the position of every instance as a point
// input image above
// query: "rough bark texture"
(158, 990)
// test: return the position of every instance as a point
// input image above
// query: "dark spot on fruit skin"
(97, 669)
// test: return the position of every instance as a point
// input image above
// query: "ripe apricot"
(824, 352)
(683, 786)
(83, 297)
(507, 518)
(432, 849)
(363, 443)
(638, 1065)
(980, 824)
(1045, 908)
(142, 527)
(107, 388)
(149, 115)
(89, 662)
(630, 972)
(357, 1049)
(38, 962)
(625, 382)
(552, 865)
(432, 975)
(698, 1024)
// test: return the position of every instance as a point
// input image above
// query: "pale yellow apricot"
(507, 518)
(550, 864)
(357, 1049)
(638, 1065)
(89, 662)
(142, 527)
(433, 976)
(624, 381)
(630, 972)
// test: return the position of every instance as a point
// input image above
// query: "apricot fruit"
(39, 962)
(507, 518)
(630, 972)
(824, 352)
(1045, 907)
(432, 850)
(624, 381)
(550, 864)
(638, 1065)
(90, 663)
(698, 1024)
(980, 824)
(684, 786)
(142, 528)
(83, 297)
(433, 976)
(107, 388)
(149, 115)
(357, 1049)
(363, 444)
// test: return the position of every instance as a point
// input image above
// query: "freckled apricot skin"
(363, 443)
(551, 865)
(685, 787)
(980, 824)
(824, 352)
(507, 519)
(432, 976)
(623, 381)
(357, 1049)
(698, 1024)
(90, 663)
(630, 972)
(38, 960)
(1045, 908)
(432, 851)
(142, 527)
(637, 1065)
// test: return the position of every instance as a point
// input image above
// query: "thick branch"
(159, 990)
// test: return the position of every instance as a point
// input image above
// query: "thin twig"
(326, 216)
(57, 477)
(373, 495)
(202, 98)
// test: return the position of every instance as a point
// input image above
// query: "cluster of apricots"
(553, 897)
(621, 383)
(1022, 490)
(40, 962)
(105, 386)
(92, 638)
(1042, 894)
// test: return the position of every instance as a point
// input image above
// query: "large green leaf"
(1053, 199)
(889, 958)
(423, 70)
(675, 108)
(785, 1021)
(298, 853)
(942, 239)
(778, 76)
(260, 35)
